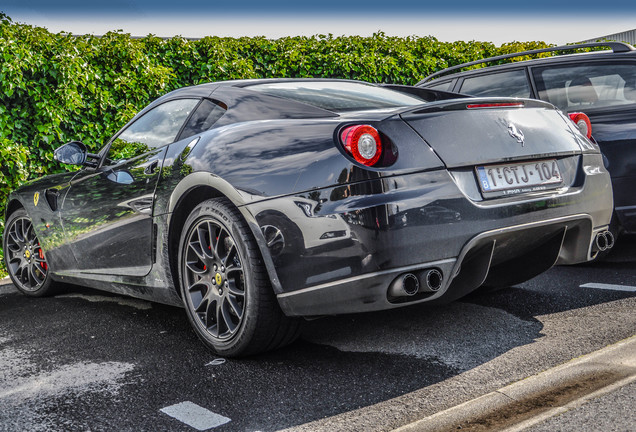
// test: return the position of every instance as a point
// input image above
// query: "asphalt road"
(86, 360)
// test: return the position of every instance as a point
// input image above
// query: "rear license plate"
(519, 177)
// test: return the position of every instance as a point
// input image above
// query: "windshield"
(338, 96)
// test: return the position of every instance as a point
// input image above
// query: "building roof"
(628, 36)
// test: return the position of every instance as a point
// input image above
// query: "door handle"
(150, 169)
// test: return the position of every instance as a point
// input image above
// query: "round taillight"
(363, 143)
(582, 122)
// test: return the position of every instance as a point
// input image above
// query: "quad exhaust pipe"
(409, 284)
(603, 241)
(433, 279)
(406, 284)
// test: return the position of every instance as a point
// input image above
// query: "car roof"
(231, 92)
(617, 48)
(206, 89)
(223, 87)
(255, 81)
(249, 104)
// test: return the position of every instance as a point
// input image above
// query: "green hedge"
(56, 88)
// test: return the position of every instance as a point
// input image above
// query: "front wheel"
(225, 287)
(24, 257)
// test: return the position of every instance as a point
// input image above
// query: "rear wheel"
(24, 257)
(225, 287)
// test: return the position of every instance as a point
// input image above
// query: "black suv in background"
(601, 84)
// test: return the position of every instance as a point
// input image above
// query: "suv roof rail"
(617, 47)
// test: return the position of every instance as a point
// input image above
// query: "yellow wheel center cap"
(27, 254)
(218, 278)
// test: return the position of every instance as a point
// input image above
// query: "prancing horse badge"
(516, 133)
(36, 198)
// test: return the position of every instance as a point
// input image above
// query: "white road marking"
(195, 416)
(610, 287)
(216, 362)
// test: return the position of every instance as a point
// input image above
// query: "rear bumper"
(484, 260)
(431, 220)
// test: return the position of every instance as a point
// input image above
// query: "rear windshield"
(338, 96)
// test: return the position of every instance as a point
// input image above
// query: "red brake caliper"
(42, 257)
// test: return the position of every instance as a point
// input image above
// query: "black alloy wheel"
(224, 284)
(214, 278)
(24, 256)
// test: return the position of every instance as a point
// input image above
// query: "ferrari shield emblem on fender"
(516, 133)
(36, 198)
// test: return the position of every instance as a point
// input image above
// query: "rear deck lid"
(485, 131)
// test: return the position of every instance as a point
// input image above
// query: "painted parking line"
(195, 416)
(609, 287)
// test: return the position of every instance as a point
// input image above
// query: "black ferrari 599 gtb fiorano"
(254, 203)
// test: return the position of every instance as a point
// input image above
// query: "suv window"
(584, 86)
(512, 83)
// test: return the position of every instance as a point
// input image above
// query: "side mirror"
(72, 153)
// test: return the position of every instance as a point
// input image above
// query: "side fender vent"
(51, 198)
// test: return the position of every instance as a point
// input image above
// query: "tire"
(24, 257)
(225, 287)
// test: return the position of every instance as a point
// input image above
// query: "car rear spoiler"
(476, 103)
(429, 95)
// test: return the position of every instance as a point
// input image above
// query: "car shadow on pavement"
(340, 363)
(562, 288)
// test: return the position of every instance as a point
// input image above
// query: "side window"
(443, 86)
(509, 84)
(206, 114)
(584, 86)
(156, 128)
